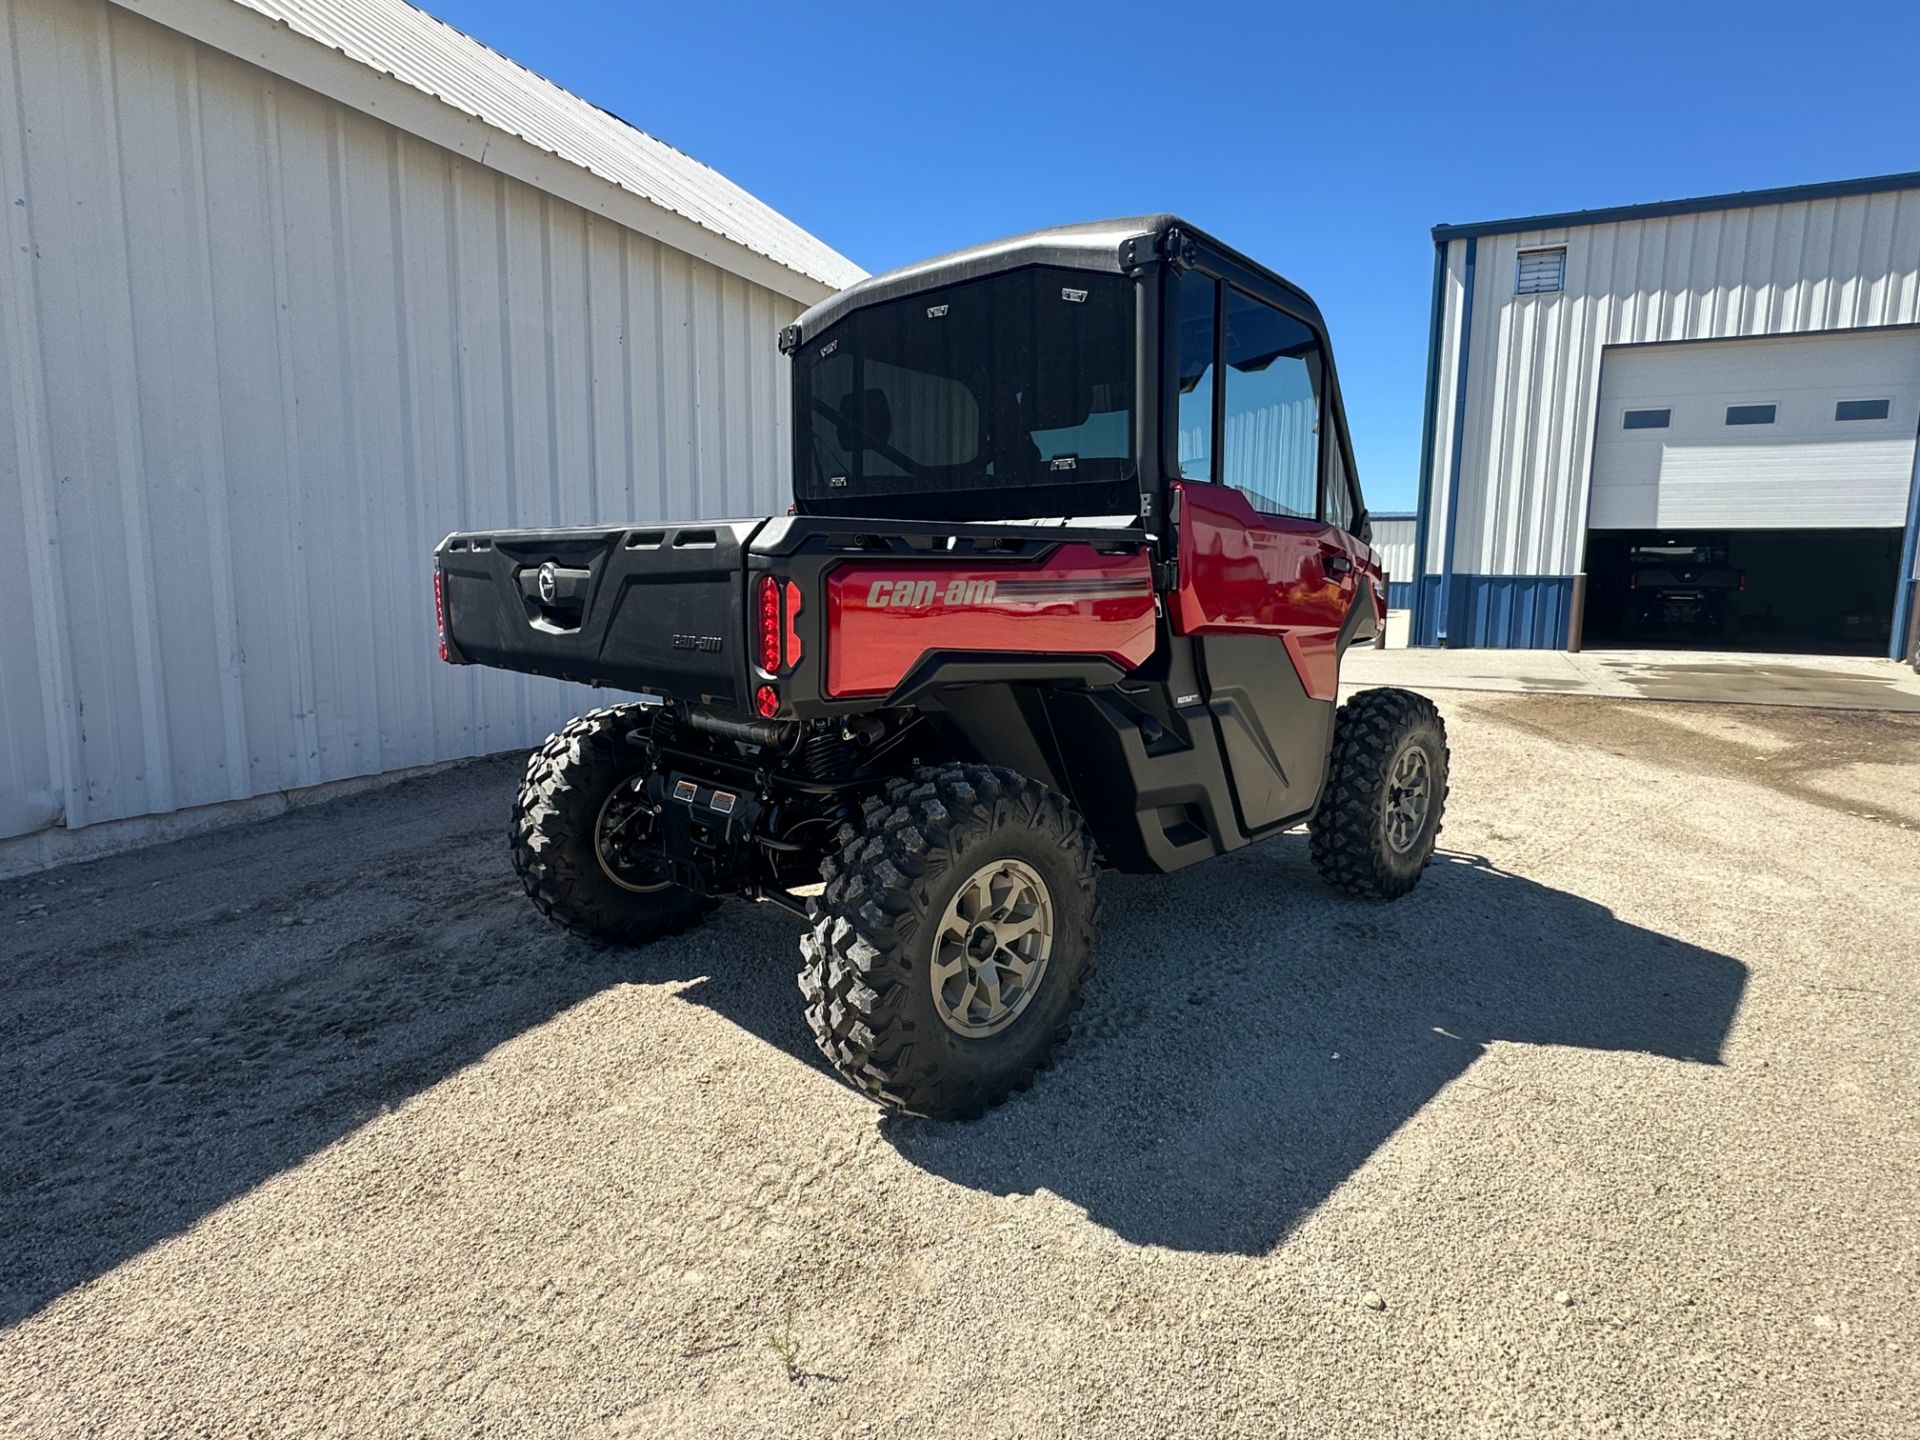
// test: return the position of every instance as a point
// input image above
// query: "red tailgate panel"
(884, 617)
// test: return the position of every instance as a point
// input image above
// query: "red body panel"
(884, 617)
(1243, 573)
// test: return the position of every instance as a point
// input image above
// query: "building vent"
(1542, 272)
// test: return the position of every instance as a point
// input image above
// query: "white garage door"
(1810, 432)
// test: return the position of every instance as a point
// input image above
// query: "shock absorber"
(827, 755)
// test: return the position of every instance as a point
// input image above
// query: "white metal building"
(294, 288)
(1739, 373)
(1393, 537)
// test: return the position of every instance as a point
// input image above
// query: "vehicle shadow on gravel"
(1252, 1039)
(181, 1024)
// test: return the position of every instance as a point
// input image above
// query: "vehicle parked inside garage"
(1682, 582)
(1768, 590)
(1075, 550)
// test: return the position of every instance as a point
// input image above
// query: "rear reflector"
(767, 701)
(440, 610)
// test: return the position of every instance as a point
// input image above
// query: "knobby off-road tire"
(555, 835)
(1385, 795)
(875, 944)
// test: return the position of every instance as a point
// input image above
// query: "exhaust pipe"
(767, 734)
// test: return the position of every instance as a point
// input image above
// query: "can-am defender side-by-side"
(1076, 545)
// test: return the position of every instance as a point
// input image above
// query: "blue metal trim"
(1504, 612)
(1736, 200)
(1399, 593)
(1904, 596)
(1459, 439)
(1423, 498)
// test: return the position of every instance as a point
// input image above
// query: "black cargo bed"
(658, 608)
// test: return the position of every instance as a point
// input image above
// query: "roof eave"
(1699, 205)
(272, 45)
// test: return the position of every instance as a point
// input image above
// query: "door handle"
(1337, 562)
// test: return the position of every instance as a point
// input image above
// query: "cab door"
(1270, 584)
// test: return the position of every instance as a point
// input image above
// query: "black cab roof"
(1123, 247)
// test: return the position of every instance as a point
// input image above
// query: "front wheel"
(581, 832)
(948, 950)
(1386, 791)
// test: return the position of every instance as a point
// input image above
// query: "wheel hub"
(990, 951)
(1409, 797)
(619, 834)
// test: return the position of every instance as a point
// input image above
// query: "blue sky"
(1323, 139)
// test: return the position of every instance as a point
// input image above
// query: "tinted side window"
(1196, 376)
(1339, 508)
(1271, 446)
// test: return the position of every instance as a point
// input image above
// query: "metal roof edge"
(1734, 200)
(273, 45)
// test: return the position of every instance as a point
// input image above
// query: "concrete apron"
(1820, 682)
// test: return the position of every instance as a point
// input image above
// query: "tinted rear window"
(1010, 396)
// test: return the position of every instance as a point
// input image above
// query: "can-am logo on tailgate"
(906, 594)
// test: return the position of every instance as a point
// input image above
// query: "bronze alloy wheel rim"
(990, 951)
(1409, 797)
(622, 822)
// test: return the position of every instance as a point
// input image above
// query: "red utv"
(1075, 550)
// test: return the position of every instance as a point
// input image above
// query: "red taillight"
(1743, 583)
(1633, 580)
(767, 701)
(768, 626)
(793, 634)
(440, 610)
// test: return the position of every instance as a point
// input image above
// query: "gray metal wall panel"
(260, 353)
(1453, 307)
(1393, 538)
(1535, 370)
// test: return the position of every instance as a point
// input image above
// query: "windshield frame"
(1115, 494)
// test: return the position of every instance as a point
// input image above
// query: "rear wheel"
(581, 832)
(1386, 792)
(947, 953)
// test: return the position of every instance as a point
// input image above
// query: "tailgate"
(659, 608)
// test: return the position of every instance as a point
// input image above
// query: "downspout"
(1459, 438)
(1905, 596)
(1423, 506)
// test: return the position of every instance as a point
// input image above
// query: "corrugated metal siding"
(259, 354)
(1393, 538)
(415, 48)
(1447, 382)
(1534, 375)
(1512, 612)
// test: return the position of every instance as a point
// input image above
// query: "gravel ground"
(313, 1127)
